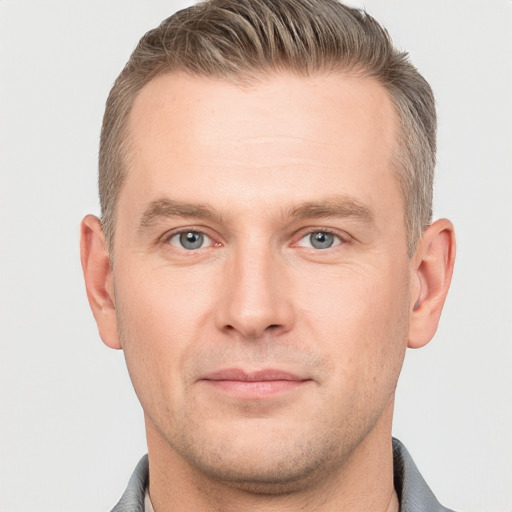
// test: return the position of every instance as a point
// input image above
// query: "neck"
(364, 481)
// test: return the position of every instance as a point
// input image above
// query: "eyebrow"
(331, 207)
(166, 208)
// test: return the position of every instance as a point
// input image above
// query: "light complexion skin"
(262, 291)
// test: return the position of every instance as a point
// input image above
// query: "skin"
(256, 171)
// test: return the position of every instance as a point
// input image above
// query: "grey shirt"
(413, 492)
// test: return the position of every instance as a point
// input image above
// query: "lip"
(265, 375)
(255, 385)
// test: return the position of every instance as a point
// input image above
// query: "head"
(265, 170)
(242, 41)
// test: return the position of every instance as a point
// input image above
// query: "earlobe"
(96, 267)
(433, 268)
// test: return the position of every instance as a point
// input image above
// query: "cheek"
(361, 319)
(161, 317)
(362, 330)
(162, 304)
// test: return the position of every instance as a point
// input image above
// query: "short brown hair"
(243, 40)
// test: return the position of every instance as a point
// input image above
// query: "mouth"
(254, 385)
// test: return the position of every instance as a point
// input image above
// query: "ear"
(432, 274)
(97, 269)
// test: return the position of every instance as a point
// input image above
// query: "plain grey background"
(71, 428)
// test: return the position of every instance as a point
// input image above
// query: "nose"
(255, 296)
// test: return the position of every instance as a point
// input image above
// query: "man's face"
(261, 277)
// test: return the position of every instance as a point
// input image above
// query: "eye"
(319, 240)
(190, 240)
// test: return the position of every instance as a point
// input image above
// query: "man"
(266, 255)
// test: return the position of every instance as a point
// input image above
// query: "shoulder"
(413, 492)
(133, 498)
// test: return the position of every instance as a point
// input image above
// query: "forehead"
(284, 137)
(202, 110)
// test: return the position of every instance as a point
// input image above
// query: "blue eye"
(190, 240)
(320, 240)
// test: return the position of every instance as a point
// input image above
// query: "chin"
(264, 475)
(270, 462)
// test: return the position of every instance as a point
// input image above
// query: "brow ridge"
(164, 208)
(333, 206)
(330, 207)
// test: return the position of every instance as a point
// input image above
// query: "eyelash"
(168, 239)
(339, 240)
